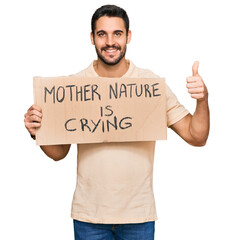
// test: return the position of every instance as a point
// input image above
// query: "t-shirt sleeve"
(175, 111)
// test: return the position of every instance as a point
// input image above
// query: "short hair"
(110, 11)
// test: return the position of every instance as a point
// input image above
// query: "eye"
(118, 34)
(101, 34)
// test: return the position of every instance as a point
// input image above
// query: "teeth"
(111, 50)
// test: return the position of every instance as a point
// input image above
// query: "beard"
(115, 61)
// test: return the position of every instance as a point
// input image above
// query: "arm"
(56, 152)
(194, 129)
(32, 120)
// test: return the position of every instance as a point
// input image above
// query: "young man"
(114, 193)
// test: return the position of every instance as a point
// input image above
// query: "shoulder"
(80, 74)
(87, 72)
(147, 73)
(142, 72)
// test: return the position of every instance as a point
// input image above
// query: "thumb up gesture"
(195, 84)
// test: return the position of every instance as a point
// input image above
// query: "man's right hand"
(32, 119)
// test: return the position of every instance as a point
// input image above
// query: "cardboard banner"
(95, 110)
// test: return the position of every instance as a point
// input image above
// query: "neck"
(115, 71)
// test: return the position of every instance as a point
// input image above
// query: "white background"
(193, 186)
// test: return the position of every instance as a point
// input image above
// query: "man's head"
(110, 33)
(110, 11)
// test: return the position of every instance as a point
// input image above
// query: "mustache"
(113, 47)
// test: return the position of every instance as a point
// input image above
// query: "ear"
(129, 36)
(92, 38)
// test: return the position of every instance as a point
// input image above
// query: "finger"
(35, 107)
(197, 95)
(195, 68)
(194, 85)
(192, 79)
(196, 90)
(33, 118)
(32, 131)
(30, 125)
(35, 112)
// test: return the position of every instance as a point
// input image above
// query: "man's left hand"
(195, 84)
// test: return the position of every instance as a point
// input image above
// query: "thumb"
(195, 68)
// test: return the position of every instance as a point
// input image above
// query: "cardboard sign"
(95, 110)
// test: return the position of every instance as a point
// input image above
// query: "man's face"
(110, 39)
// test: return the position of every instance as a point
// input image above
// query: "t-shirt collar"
(127, 74)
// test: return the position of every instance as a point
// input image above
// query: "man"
(114, 193)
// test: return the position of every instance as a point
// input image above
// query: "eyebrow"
(116, 31)
(101, 31)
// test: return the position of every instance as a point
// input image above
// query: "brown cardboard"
(95, 110)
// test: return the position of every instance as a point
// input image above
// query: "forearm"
(200, 122)
(56, 152)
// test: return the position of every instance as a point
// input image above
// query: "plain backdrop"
(193, 186)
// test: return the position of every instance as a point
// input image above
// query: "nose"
(109, 40)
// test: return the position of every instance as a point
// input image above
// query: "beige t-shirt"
(115, 180)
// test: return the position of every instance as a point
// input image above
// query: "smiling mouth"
(110, 49)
